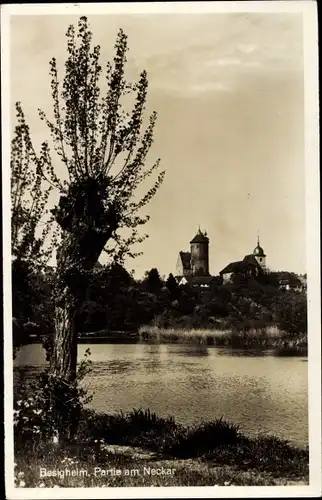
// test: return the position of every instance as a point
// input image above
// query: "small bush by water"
(201, 439)
(136, 428)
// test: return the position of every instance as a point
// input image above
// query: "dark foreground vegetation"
(212, 453)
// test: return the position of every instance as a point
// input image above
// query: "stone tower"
(260, 255)
(199, 251)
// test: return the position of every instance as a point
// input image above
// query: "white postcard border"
(308, 9)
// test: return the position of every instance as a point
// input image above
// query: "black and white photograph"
(161, 249)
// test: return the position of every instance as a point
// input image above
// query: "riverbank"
(141, 449)
(270, 337)
(265, 338)
(128, 467)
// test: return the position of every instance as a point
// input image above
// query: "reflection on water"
(193, 350)
(227, 351)
(261, 393)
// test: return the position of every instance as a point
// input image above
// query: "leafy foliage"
(101, 145)
(172, 286)
(46, 398)
(109, 302)
(33, 236)
(29, 196)
(32, 304)
(152, 282)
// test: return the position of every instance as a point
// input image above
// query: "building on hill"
(289, 281)
(252, 265)
(285, 284)
(183, 264)
(193, 267)
(259, 255)
(202, 282)
(303, 280)
(199, 254)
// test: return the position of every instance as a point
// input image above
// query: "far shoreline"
(267, 341)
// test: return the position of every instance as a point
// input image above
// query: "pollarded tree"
(104, 149)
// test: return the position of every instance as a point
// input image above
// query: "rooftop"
(200, 237)
(185, 259)
(240, 265)
(197, 280)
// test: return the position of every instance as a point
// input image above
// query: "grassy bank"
(266, 338)
(142, 449)
(130, 468)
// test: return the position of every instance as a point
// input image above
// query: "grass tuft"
(200, 440)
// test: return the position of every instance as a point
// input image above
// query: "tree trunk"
(70, 290)
(65, 345)
(69, 293)
(73, 270)
(65, 399)
(87, 225)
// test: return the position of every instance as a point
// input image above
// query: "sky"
(229, 93)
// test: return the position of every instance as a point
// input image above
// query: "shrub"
(38, 408)
(203, 439)
(151, 431)
(136, 428)
(264, 453)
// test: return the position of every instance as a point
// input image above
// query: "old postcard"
(161, 250)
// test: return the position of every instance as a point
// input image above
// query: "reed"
(267, 337)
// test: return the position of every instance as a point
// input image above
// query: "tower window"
(260, 259)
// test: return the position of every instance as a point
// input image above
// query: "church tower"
(260, 255)
(199, 251)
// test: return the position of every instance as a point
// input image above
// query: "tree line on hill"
(116, 301)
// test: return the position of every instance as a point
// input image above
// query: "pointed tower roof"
(200, 237)
(258, 250)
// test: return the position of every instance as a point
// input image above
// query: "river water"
(260, 393)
